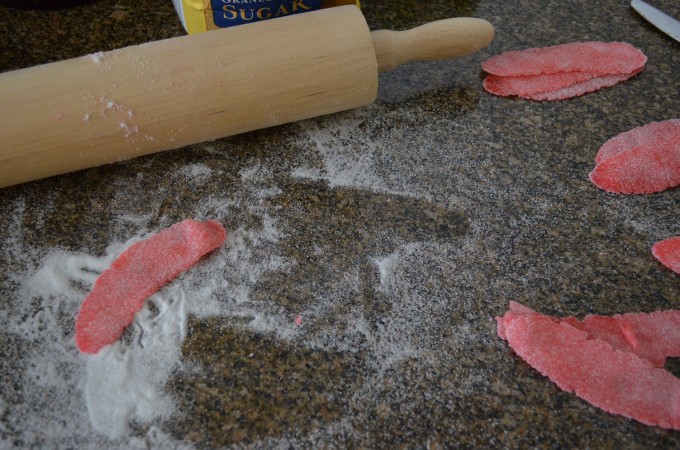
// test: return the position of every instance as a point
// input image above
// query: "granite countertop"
(368, 253)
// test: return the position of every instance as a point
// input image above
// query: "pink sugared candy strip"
(668, 253)
(562, 71)
(527, 85)
(603, 58)
(580, 88)
(604, 359)
(654, 336)
(643, 160)
(120, 291)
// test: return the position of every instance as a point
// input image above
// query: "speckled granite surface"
(395, 233)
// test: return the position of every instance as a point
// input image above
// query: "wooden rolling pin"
(111, 106)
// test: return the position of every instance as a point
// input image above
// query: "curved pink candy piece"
(613, 363)
(600, 58)
(643, 160)
(120, 291)
(668, 253)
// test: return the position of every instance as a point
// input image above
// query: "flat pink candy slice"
(581, 88)
(562, 71)
(602, 58)
(525, 85)
(586, 358)
(654, 336)
(640, 161)
(668, 253)
(120, 291)
(644, 135)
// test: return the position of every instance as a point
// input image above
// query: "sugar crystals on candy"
(643, 160)
(614, 363)
(562, 71)
(668, 253)
(120, 291)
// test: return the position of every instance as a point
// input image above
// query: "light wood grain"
(442, 39)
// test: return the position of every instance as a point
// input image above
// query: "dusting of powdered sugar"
(350, 158)
(124, 383)
(125, 380)
(432, 287)
(196, 173)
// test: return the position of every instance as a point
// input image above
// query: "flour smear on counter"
(118, 398)
(68, 395)
(108, 396)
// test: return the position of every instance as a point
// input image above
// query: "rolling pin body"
(108, 107)
(112, 106)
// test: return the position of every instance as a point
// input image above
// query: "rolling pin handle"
(443, 39)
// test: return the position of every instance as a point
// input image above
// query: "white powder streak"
(350, 159)
(393, 340)
(125, 382)
(196, 172)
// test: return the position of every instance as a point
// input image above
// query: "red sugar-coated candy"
(668, 253)
(644, 135)
(612, 362)
(581, 88)
(653, 336)
(640, 161)
(605, 328)
(516, 309)
(525, 85)
(562, 71)
(601, 58)
(120, 291)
